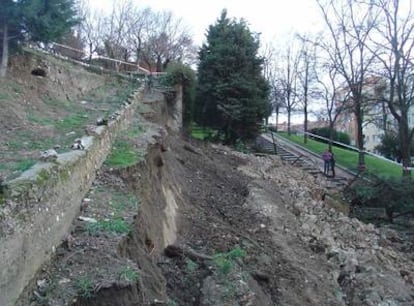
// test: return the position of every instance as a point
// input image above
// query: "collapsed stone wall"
(366, 265)
(37, 208)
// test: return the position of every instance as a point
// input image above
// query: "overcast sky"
(274, 19)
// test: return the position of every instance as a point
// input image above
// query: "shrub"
(337, 136)
(226, 261)
(178, 73)
(395, 195)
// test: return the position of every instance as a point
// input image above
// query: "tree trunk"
(305, 123)
(288, 121)
(90, 52)
(5, 53)
(331, 135)
(305, 101)
(360, 136)
(159, 64)
(405, 146)
(277, 118)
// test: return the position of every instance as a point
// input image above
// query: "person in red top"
(332, 163)
(326, 156)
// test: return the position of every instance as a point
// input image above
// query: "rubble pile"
(367, 262)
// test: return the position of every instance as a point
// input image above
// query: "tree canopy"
(232, 93)
(47, 20)
(34, 20)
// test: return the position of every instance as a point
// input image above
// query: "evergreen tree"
(10, 31)
(231, 92)
(35, 20)
(47, 20)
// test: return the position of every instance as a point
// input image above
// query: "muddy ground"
(249, 231)
(193, 223)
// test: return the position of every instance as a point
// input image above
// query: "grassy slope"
(349, 159)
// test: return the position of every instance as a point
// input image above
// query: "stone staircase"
(303, 161)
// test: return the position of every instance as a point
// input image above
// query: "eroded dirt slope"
(200, 224)
(249, 231)
(296, 249)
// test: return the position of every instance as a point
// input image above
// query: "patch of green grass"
(349, 159)
(23, 165)
(8, 88)
(54, 102)
(84, 287)
(42, 298)
(242, 147)
(28, 140)
(113, 93)
(134, 130)
(202, 133)
(120, 201)
(128, 274)
(114, 226)
(122, 155)
(171, 302)
(4, 96)
(225, 261)
(70, 122)
(17, 88)
(191, 266)
(38, 119)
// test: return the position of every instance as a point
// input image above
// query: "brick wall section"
(38, 207)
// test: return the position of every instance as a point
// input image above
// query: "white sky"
(274, 19)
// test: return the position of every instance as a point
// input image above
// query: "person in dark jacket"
(326, 156)
(332, 163)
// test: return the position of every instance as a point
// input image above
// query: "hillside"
(173, 221)
(46, 103)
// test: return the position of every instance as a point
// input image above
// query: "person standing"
(326, 157)
(332, 163)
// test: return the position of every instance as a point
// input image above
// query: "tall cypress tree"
(232, 92)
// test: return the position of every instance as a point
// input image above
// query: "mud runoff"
(216, 227)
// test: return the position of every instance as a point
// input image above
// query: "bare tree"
(288, 80)
(169, 40)
(140, 34)
(335, 100)
(306, 75)
(91, 27)
(349, 24)
(116, 30)
(393, 43)
(270, 71)
(140, 26)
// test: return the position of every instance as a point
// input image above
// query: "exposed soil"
(200, 224)
(51, 110)
(240, 238)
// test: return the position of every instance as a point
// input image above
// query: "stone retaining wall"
(37, 208)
